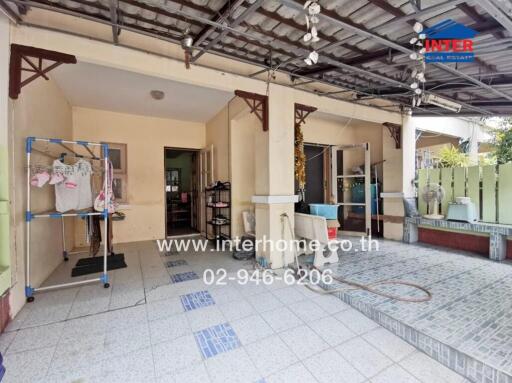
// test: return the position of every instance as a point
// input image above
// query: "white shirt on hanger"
(77, 198)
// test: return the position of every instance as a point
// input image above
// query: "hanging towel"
(79, 197)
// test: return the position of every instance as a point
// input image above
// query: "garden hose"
(358, 286)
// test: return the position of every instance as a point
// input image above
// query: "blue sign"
(449, 41)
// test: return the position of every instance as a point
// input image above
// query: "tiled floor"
(147, 329)
(468, 323)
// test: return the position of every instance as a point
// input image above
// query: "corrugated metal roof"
(276, 28)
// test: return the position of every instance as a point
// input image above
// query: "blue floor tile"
(182, 277)
(216, 340)
(197, 300)
(179, 262)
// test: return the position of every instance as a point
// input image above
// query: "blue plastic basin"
(324, 210)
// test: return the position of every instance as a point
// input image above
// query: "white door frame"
(206, 178)
(367, 183)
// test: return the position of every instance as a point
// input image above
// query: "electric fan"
(433, 194)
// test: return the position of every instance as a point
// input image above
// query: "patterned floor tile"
(178, 262)
(197, 300)
(182, 277)
(216, 340)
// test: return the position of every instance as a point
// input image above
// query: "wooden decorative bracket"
(302, 112)
(258, 104)
(34, 57)
(396, 132)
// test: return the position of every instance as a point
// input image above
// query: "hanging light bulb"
(413, 40)
(414, 85)
(307, 37)
(422, 36)
(413, 56)
(417, 91)
(418, 27)
(308, 61)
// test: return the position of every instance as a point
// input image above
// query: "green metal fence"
(489, 187)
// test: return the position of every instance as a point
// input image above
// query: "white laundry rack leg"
(30, 216)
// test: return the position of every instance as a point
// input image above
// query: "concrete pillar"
(274, 178)
(5, 256)
(399, 172)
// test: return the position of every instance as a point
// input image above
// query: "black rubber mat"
(114, 262)
(99, 259)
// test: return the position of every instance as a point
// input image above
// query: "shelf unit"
(30, 216)
(218, 231)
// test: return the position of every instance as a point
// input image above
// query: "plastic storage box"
(324, 210)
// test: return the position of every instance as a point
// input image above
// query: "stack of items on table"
(330, 213)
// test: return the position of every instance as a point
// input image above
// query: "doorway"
(181, 192)
(351, 180)
(316, 189)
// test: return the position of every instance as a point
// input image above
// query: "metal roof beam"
(95, 18)
(496, 12)
(423, 12)
(397, 12)
(477, 17)
(114, 6)
(334, 18)
(292, 23)
(179, 15)
(245, 14)
(383, 53)
(136, 29)
(398, 84)
(192, 5)
(222, 16)
(9, 12)
(172, 12)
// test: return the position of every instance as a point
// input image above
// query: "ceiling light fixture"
(442, 103)
(187, 42)
(157, 95)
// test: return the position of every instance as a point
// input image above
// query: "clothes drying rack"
(30, 216)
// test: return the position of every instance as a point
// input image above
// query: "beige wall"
(327, 131)
(5, 253)
(392, 169)
(40, 111)
(232, 133)
(243, 130)
(90, 51)
(217, 135)
(146, 138)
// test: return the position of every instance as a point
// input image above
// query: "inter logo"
(449, 41)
